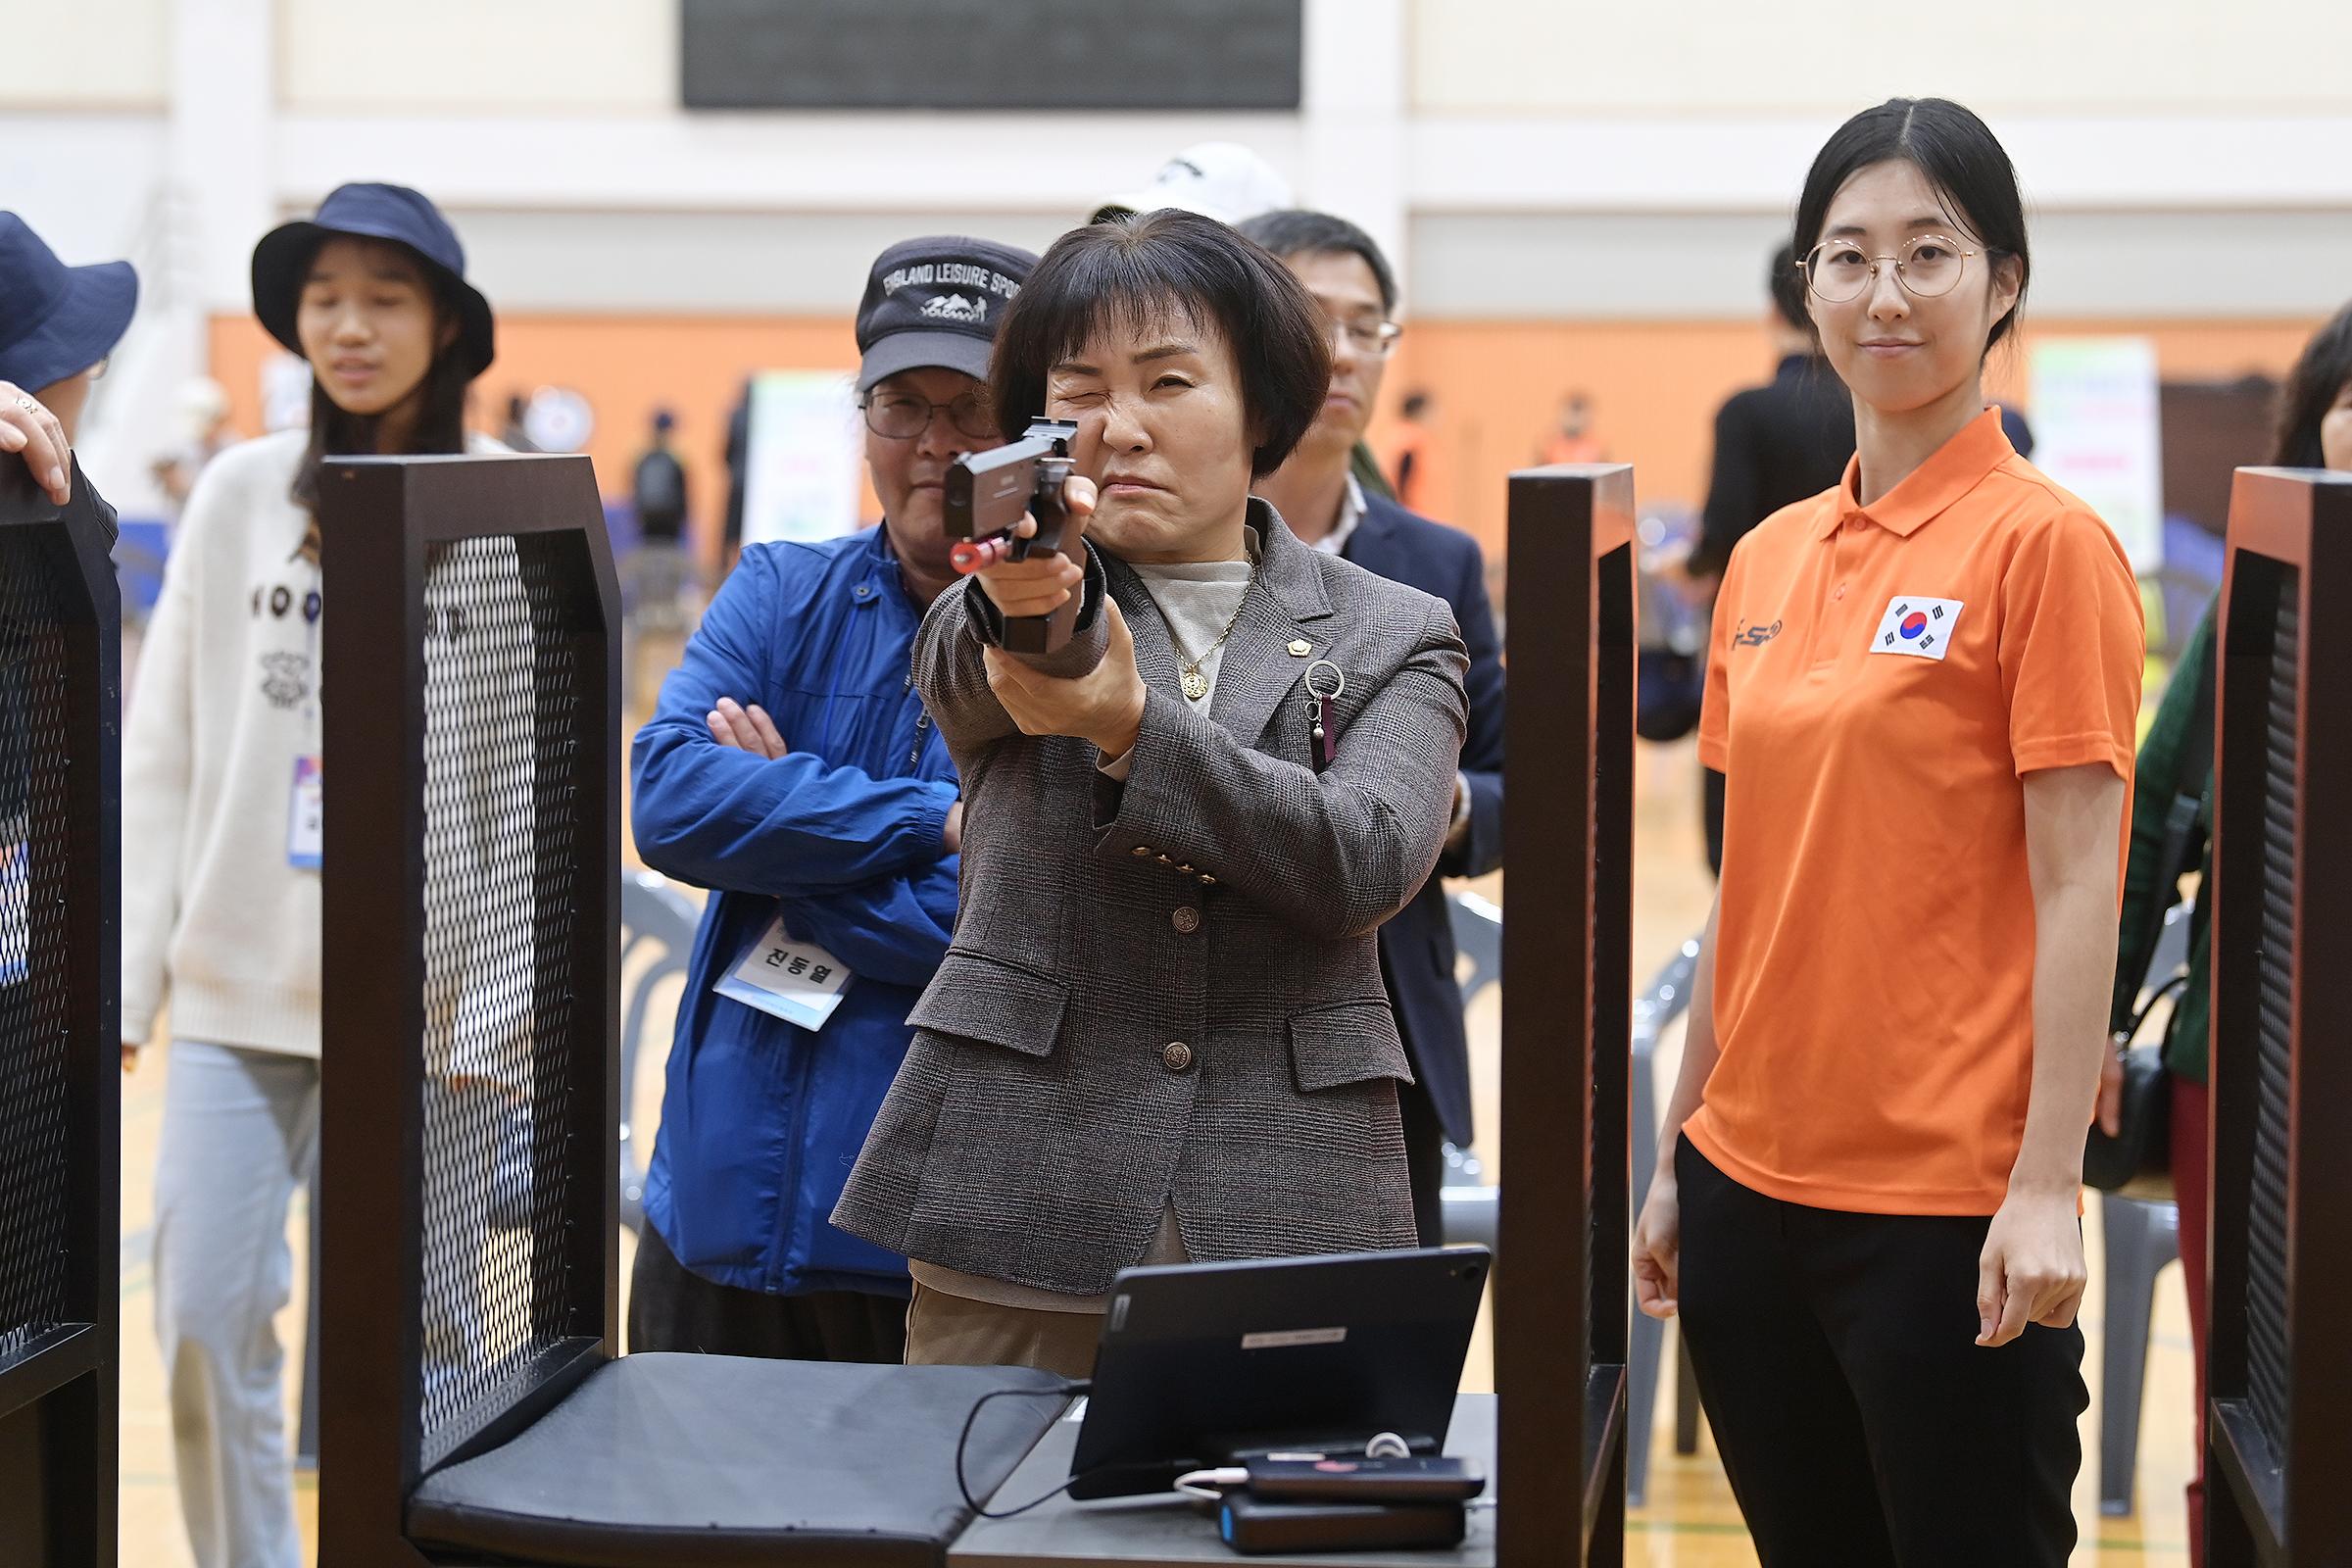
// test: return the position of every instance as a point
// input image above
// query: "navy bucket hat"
(391, 213)
(57, 320)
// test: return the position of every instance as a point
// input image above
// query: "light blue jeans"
(240, 1133)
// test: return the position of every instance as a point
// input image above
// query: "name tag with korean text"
(797, 982)
(306, 816)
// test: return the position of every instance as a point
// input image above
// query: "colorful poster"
(801, 465)
(2096, 432)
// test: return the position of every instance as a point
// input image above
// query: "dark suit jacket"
(1774, 445)
(1416, 948)
(1168, 989)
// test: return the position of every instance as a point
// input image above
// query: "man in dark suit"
(1324, 506)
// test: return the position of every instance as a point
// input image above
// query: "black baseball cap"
(936, 301)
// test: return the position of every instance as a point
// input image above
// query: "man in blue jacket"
(1327, 506)
(790, 769)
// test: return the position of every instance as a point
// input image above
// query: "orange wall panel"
(1496, 385)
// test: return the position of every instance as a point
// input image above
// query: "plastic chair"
(658, 916)
(2141, 1238)
(1472, 1211)
(1658, 1005)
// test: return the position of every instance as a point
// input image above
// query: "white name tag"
(1921, 628)
(306, 816)
(797, 982)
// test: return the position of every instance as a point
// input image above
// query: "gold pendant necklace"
(1195, 683)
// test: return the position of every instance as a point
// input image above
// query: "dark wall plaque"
(990, 54)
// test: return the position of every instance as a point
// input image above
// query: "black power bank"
(1252, 1525)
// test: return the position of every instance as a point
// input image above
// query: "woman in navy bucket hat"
(58, 324)
(221, 793)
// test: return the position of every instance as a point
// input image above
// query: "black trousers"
(1858, 1421)
(673, 1308)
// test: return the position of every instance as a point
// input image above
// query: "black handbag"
(2136, 1162)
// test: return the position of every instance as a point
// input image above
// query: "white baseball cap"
(1220, 179)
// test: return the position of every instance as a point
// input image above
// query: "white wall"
(2068, 57)
(82, 54)
(504, 57)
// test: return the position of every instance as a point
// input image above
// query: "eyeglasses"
(1928, 265)
(1373, 339)
(902, 416)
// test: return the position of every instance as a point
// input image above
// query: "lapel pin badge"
(1300, 648)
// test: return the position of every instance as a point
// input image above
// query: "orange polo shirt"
(1882, 679)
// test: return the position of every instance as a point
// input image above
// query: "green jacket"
(2158, 780)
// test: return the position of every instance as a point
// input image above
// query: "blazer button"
(1142, 851)
(1178, 1057)
(1186, 919)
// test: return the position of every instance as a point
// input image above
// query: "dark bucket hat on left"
(57, 320)
(392, 212)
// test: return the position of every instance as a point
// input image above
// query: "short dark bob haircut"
(1964, 164)
(2319, 376)
(1169, 266)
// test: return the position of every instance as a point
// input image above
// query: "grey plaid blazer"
(1168, 989)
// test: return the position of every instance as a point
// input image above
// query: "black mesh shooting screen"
(35, 743)
(2269, 1352)
(510, 701)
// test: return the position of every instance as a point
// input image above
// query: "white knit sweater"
(226, 699)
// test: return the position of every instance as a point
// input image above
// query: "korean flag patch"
(1920, 627)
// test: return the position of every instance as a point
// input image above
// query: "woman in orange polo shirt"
(1923, 693)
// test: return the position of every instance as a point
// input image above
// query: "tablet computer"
(1203, 1364)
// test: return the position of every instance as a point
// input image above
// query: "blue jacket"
(1416, 948)
(762, 1120)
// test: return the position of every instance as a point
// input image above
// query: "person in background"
(2314, 432)
(1220, 179)
(515, 435)
(220, 854)
(1572, 439)
(657, 490)
(1345, 275)
(1775, 445)
(792, 769)
(737, 456)
(204, 434)
(62, 324)
(1923, 690)
(1408, 448)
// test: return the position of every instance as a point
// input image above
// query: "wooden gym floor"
(1690, 1520)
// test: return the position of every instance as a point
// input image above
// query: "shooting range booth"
(476, 1408)
(1563, 1275)
(60, 965)
(2279, 1363)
